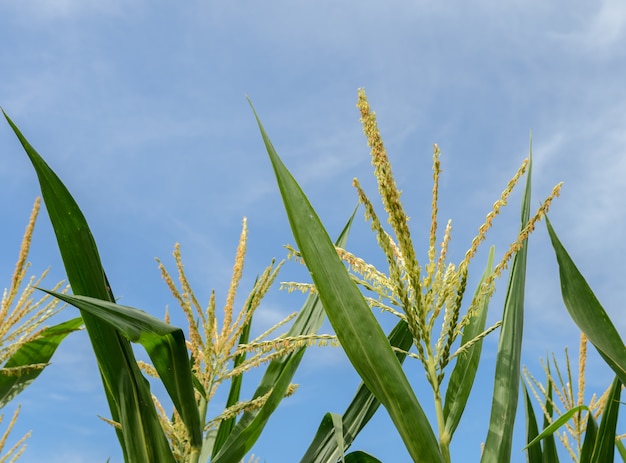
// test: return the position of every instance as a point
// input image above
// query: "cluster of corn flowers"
(21, 317)
(419, 296)
(557, 396)
(219, 353)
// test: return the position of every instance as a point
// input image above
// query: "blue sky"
(140, 108)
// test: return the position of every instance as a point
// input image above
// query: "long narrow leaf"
(550, 454)
(464, 372)
(324, 447)
(604, 449)
(507, 379)
(114, 354)
(621, 449)
(586, 311)
(586, 452)
(361, 336)
(556, 424)
(36, 352)
(227, 426)
(533, 450)
(277, 377)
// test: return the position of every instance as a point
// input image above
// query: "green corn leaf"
(464, 372)
(277, 377)
(164, 343)
(337, 424)
(207, 446)
(36, 352)
(589, 442)
(114, 354)
(507, 378)
(586, 311)
(360, 457)
(621, 449)
(324, 447)
(556, 424)
(227, 426)
(604, 448)
(550, 454)
(357, 329)
(533, 451)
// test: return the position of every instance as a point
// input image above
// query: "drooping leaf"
(38, 351)
(164, 343)
(114, 354)
(586, 311)
(357, 329)
(507, 378)
(277, 377)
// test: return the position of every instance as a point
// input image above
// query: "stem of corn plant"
(444, 437)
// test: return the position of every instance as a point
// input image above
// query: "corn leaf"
(118, 368)
(604, 448)
(464, 372)
(277, 377)
(360, 457)
(324, 447)
(357, 329)
(590, 439)
(533, 451)
(550, 454)
(227, 426)
(621, 449)
(164, 343)
(556, 424)
(586, 311)
(507, 378)
(36, 352)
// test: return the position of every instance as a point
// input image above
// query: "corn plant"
(578, 418)
(594, 443)
(189, 370)
(418, 296)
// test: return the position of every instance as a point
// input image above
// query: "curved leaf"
(586, 311)
(165, 344)
(87, 277)
(39, 351)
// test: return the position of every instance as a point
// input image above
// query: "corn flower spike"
(566, 398)
(214, 345)
(19, 447)
(390, 195)
(431, 302)
(396, 266)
